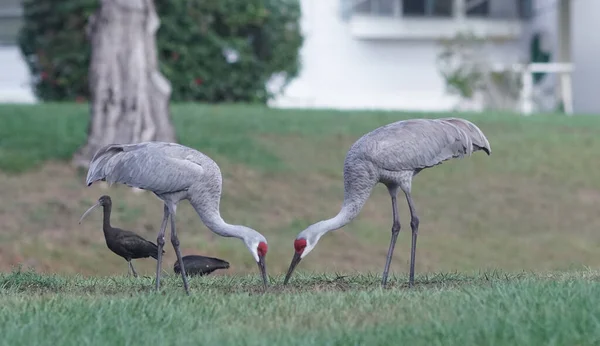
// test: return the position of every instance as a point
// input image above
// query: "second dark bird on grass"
(200, 265)
(124, 243)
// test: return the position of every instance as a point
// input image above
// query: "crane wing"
(155, 166)
(415, 144)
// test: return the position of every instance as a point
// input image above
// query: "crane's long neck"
(351, 207)
(340, 220)
(211, 217)
(359, 180)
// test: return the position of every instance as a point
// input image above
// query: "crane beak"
(293, 265)
(263, 269)
(88, 211)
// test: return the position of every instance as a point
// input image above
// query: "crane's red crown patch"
(262, 248)
(299, 245)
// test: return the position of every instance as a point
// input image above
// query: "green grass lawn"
(531, 205)
(524, 221)
(492, 308)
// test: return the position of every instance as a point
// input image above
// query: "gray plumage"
(174, 172)
(392, 155)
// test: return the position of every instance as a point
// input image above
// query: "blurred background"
(275, 91)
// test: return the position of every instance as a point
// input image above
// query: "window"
(429, 8)
(10, 21)
(498, 9)
(411, 8)
(379, 7)
(491, 9)
(477, 8)
(525, 8)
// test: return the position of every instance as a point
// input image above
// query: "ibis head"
(102, 201)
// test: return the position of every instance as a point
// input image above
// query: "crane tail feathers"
(99, 161)
(107, 164)
(476, 138)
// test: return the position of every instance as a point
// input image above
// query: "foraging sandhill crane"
(392, 155)
(174, 172)
(123, 243)
(200, 265)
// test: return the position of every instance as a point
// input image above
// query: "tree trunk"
(129, 96)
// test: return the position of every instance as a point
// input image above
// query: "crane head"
(261, 252)
(262, 249)
(258, 248)
(302, 247)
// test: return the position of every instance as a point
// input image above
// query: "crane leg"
(395, 231)
(160, 242)
(175, 242)
(135, 274)
(414, 225)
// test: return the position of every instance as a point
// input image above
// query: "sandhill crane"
(123, 243)
(200, 265)
(174, 172)
(392, 155)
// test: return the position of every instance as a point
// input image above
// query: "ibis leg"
(414, 225)
(160, 241)
(135, 274)
(395, 231)
(175, 242)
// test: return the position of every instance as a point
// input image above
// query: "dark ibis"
(124, 243)
(200, 265)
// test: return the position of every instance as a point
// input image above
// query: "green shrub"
(192, 40)
(55, 46)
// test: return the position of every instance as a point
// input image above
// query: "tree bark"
(129, 100)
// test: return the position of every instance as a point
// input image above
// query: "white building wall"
(14, 74)
(340, 71)
(585, 52)
(14, 77)
(544, 22)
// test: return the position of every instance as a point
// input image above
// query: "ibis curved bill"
(89, 210)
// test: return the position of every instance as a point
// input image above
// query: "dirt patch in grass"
(492, 221)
